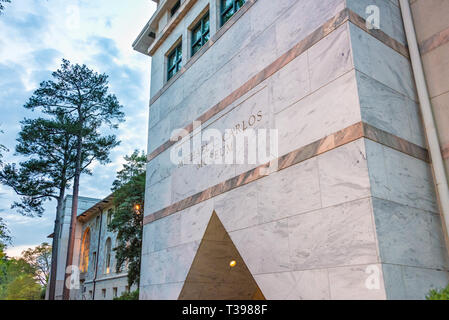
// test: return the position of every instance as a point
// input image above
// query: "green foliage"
(49, 151)
(129, 191)
(1, 4)
(39, 258)
(5, 238)
(24, 278)
(62, 145)
(12, 269)
(442, 294)
(134, 295)
(24, 287)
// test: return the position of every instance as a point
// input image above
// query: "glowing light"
(233, 263)
(137, 207)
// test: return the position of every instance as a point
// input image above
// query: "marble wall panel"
(344, 174)
(195, 220)
(381, 63)
(350, 283)
(386, 109)
(158, 134)
(390, 16)
(159, 196)
(237, 209)
(296, 285)
(169, 291)
(332, 108)
(409, 236)
(264, 247)
(170, 265)
(330, 58)
(255, 57)
(401, 178)
(302, 19)
(289, 192)
(335, 236)
(290, 84)
(403, 282)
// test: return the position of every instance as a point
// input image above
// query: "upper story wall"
(258, 34)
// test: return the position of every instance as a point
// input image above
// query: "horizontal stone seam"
(416, 267)
(434, 42)
(302, 46)
(426, 211)
(335, 140)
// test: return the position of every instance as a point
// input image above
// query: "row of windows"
(200, 33)
(85, 248)
(103, 292)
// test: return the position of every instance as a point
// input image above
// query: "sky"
(34, 37)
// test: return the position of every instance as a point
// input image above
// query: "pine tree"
(81, 96)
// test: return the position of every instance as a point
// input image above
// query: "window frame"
(109, 217)
(175, 8)
(202, 39)
(177, 63)
(108, 256)
(224, 11)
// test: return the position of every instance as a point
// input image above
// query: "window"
(108, 256)
(109, 218)
(175, 8)
(94, 257)
(228, 8)
(103, 291)
(174, 61)
(85, 246)
(200, 34)
(97, 221)
(114, 292)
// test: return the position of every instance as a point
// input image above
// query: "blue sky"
(34, 36)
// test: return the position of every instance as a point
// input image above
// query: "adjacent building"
(93, 252)
(346, 207)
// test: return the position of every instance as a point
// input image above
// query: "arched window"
(108, 256)
(85, 246)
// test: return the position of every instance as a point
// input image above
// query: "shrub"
(134, 295)
(442, 294)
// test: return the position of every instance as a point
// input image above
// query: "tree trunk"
(55, 246)
(76, 182)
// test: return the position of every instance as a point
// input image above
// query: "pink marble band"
(335, 140)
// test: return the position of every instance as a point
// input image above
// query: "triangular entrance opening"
(211, 276)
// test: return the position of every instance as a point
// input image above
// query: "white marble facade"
(357, 222)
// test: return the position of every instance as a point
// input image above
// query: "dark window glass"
(175, 8)
(229, 8)
(200, 34)
(174, 61)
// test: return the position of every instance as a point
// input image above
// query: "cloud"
(16, 252)
(34, 36)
